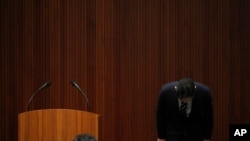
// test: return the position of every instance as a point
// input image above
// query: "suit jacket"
(172, 125)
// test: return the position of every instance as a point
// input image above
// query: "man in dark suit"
(184, 112)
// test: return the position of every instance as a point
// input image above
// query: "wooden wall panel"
(239, 40)
(121, 53)
(219, 65)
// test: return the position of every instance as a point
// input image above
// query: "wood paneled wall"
(121, 52)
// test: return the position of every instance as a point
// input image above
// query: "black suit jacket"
(171, 124)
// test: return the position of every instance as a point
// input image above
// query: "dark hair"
(185, 88)
(84, 137)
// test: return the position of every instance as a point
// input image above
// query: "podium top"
(58, 110)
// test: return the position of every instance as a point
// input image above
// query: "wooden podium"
(56, 124)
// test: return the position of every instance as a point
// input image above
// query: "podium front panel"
(56, 124)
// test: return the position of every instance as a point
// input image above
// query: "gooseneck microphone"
(47, 84)
(83, 94)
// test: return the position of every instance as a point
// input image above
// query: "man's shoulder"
(169, 87)
(202, 89)
(201, 86)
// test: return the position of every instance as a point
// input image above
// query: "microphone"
(83, 94)
(47, 84)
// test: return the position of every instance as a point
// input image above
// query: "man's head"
(185, 89)
(84, 137)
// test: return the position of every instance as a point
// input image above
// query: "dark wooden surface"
(120, 52)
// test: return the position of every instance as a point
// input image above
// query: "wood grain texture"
(121, 52)
(56, 124)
